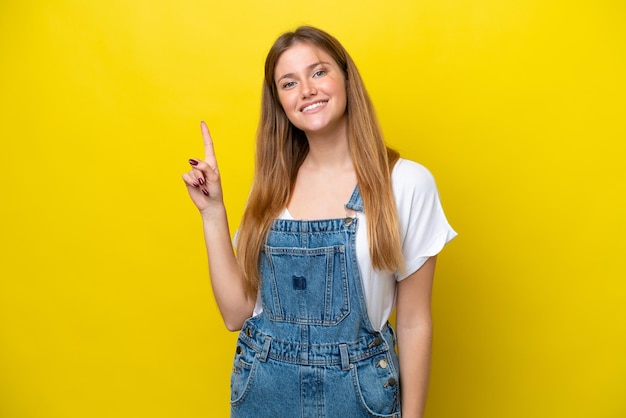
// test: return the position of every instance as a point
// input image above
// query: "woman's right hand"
(203, 180)
(205, 190)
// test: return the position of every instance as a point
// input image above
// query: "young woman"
(338, 231)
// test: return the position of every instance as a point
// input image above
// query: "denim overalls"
(313, 352)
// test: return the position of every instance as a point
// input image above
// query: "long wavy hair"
(281, 149)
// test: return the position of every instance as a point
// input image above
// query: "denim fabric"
(312, 352)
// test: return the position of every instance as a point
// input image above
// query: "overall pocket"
(377, 386)
(244, 368)
(306, 285)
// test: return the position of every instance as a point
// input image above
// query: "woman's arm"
(204, 187)
(414, 329)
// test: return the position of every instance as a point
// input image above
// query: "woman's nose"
(308, 89)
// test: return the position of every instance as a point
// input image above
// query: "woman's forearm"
(226, 279)
(415, 334)
(414, 350)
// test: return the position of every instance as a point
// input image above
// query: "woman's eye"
(289, 84)
(319, 73)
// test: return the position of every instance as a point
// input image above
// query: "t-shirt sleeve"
(235, 239)
(424, 228)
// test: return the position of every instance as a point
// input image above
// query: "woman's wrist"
(213, 212)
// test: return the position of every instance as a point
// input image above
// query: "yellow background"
(516, 106)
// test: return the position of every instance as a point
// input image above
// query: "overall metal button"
(382, 364)
(377, 341)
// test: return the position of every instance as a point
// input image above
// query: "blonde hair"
(281, 149)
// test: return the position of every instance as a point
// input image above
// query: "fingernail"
(193, 162)
(201, 180)
(205, 191)
(195, 184)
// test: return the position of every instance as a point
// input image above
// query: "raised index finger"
(209, 151)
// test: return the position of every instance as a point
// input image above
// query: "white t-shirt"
(424, 231)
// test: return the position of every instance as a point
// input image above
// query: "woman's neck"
(328, 152)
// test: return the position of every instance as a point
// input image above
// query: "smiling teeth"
(313, 106)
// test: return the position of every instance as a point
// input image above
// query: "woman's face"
(311, 89)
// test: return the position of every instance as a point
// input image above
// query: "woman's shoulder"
(411, 174)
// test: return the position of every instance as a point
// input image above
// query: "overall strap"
(356, 202)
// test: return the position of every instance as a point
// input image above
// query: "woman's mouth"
(313, 106)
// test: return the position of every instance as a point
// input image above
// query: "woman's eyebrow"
(309, 68)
